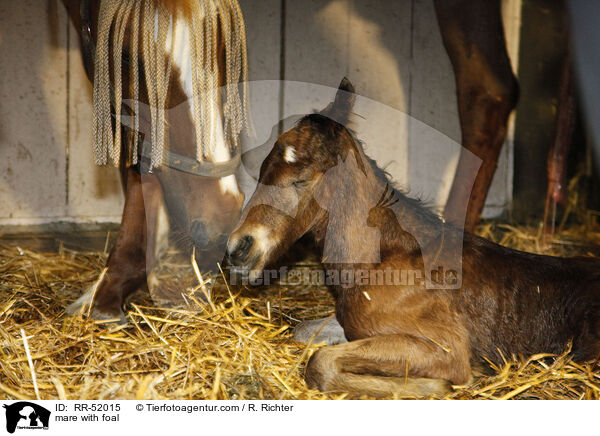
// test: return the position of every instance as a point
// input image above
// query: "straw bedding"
(226, 344)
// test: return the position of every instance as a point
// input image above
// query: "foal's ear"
(342, 106)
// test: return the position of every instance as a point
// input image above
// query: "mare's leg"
(556, 164)
(388, 364)
(487, 92)
(326, 330)
(127, 263)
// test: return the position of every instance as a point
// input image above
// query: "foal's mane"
(333, 130)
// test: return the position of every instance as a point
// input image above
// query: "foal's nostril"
(240, 253)
(199, 234)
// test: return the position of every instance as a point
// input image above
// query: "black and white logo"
(24, 415)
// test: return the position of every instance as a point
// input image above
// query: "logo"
(26, 415)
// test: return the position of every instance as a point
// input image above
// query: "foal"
(417, 336)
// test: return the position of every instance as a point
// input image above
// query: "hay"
(236, 346)
(226, 349)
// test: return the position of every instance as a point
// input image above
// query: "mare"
(201, 205)
(487, 91)
(407, 337)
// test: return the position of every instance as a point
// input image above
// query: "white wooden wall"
(46, 161)
(391, 50)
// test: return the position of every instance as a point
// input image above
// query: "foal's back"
(526, 303)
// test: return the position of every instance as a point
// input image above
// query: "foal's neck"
(368, 220)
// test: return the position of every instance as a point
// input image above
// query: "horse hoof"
(109, 318)
(320, 330)
(81, 306)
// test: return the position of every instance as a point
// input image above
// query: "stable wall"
(391, 50)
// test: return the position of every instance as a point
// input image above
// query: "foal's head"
(299, 178)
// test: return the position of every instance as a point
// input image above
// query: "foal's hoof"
(326, 330)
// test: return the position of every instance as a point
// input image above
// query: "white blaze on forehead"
(289, 154)
(222, 154)
(181, 58)
(229, 184)
(161, 232)
(181, 54)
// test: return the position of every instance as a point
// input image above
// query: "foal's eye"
(300, 183)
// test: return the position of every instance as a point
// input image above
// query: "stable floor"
(214, 343)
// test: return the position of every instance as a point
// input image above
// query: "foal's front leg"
(326, 330)
(389, 364)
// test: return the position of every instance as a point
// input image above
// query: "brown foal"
(414, 336)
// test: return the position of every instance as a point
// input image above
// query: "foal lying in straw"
(424, 301)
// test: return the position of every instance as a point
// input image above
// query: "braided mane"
(150, 27)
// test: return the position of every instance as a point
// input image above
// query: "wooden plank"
(94, 192)
(379, 64)
(368, 41)
(263, 31)
(32, 113)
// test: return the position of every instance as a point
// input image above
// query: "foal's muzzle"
(239, 256)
